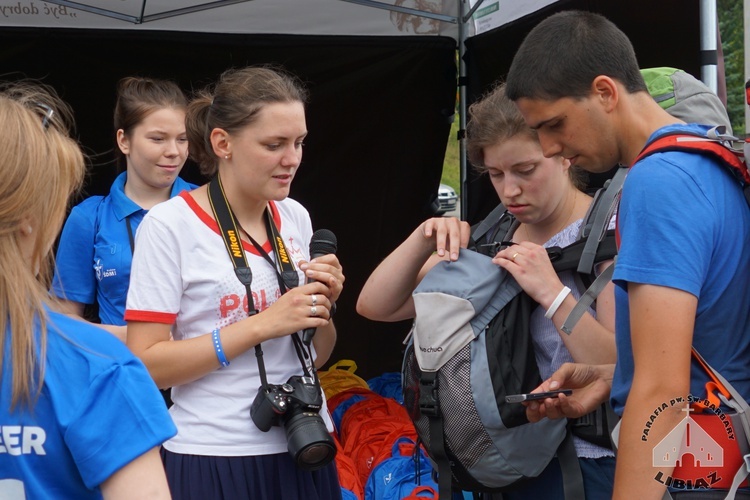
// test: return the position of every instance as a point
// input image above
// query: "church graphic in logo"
(702, 448)
(688, 441)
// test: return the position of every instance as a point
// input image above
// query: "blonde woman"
(60, 437)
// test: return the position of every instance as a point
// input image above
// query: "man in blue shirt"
(681, 275)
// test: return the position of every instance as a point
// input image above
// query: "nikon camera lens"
(308, 441)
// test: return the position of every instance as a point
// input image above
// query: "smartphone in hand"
(518, 398)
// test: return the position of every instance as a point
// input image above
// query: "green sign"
(485, 11)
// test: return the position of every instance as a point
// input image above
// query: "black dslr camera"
(295, 406)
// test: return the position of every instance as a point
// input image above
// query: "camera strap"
(286, 274)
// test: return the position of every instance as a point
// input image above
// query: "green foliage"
(732, 43)
(451, 163)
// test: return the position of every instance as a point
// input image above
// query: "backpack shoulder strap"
(587, 299)
(596, 244)
(732, 398)
(595, 241)
(493, 229)
(488, 222)
(716, 147)
(570, 467)
(594, 229)
(430, 407)
(599, 244)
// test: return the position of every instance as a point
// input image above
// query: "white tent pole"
(709, 54)
(465, 13)
(462, 108)
(464, 18)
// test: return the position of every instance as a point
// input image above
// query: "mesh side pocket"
(465, 435)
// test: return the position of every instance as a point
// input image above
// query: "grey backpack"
(470, 347)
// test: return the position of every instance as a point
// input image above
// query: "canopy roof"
(299, 17)
(383, 87)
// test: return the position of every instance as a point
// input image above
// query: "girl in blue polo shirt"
(97, 242)
(59, 438)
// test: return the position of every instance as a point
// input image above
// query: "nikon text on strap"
(286, 273)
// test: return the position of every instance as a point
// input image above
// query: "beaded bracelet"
(219, 350)
(556, 303)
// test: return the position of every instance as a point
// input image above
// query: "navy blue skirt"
(271, 477)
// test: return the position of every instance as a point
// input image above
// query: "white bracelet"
(556, 303)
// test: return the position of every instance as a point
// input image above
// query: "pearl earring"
(226, 157)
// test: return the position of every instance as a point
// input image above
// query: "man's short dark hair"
(563, 54)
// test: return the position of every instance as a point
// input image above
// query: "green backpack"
(686, 97)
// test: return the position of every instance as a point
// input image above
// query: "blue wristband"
(219, 350)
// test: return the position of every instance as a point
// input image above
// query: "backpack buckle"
(429, 405)
(491, 249)
(554, 253)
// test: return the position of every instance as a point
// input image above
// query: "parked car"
(447, 199)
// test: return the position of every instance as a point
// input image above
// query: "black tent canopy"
(383, 81)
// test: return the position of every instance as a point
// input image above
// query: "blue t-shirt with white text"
(98, 410)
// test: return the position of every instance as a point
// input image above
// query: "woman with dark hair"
(97, 242)
(218, 299)
(545, 198)
(60, 437)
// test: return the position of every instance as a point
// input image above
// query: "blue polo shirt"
(97, 411)
(94, 253)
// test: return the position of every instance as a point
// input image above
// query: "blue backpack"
(396, 477)
(388, 385)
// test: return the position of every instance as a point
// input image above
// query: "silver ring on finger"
(314, 300)
(313, 311)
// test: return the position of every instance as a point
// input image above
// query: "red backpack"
(422, 492)
(342, 401)
(371, 425)
(348, 473)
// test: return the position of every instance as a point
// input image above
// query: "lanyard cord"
(229, 228)
(130, 235)
(287, 277)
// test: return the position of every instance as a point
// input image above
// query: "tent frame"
(708, 35)
(461, 19)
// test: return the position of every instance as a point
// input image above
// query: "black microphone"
(323, 242)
